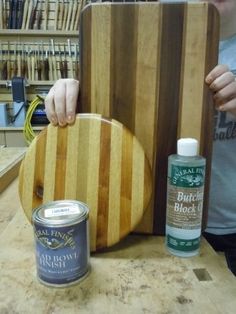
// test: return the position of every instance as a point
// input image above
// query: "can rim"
(38, 215)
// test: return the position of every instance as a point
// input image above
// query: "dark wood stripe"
(123, 63)
(182, 73)
(84, 103)
(126, 183)
(168, 104)
(206, 141)
(60, 171)
(147, 188)
(82, 156)
(103, 191)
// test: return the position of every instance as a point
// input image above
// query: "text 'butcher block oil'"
(185, 192)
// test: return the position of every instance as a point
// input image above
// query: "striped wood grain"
(144, 65)
(97, 161)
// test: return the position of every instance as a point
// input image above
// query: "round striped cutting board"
(97, 161)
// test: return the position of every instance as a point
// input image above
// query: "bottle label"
(187, 176)
(183, 244)
(185, 197)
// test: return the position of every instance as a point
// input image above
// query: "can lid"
(63, 213)
(187, 147)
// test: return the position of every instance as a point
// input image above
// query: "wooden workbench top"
(136, 276)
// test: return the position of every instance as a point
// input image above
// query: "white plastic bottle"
(185, 192)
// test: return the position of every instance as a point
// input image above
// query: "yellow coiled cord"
(28, 131)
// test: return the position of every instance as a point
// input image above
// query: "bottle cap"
(187, 147)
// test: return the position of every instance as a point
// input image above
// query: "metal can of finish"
(61, 235)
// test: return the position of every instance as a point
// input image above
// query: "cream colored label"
(184, 207)
(61, 211)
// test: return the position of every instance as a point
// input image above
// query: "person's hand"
(222, 82)
(61, 102)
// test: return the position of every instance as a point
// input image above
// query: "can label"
(61, 252)
(185, 197)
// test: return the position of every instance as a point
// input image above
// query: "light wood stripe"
(27, 189)
(72, 161)
(126, 182)
(93, 178)
(137, 182)
(115, 185)
(39, 170)
(194, 68)
(146, 77)
(50, 164)
(61, 157)
(104, 182)
(100, 70)
(82, 163)
(147, 82)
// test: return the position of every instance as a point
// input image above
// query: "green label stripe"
(187, 176)
(183, 244)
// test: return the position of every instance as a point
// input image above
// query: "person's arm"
(61, 102)
(222, 82)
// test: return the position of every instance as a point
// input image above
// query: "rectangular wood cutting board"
(144, 64)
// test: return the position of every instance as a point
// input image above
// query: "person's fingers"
(225, 94)
(72, 91)
(222, 81)
(60, 101)
(229, 106)
(216, 72)
(50, 108)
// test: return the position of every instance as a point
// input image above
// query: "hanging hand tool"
(71, 75)
(19, 59)
(1, 60)
(4, 14)
(68, 21)
(39, 16)
(28, 59)
(42, 61)
(56, 15)
(33, 14)
(33, 65)
(1, 15)
(39, 65)
(60, 62)
(61, 14)
(8, 62)
(14, 63)
(30, 7)
(65, 66)
(46, 66)
(24, 68)
(76, 63)
(65, 16)
(46, 10)
(4, 68)
(77, 18)
(54, 61)
(11, 3)
(72, 23)
(14, 14)
(25, 14)
(20, 10)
